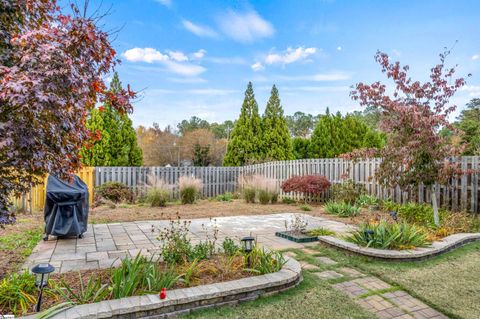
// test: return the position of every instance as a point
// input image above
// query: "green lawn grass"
(313, 298)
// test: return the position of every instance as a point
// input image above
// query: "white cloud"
(199, 54)
(177, 56)
(476, 57)
(166, 3)
(199, 30)
(187, 80)
(290, 55)
(174, 61)
(339, 48)
(185, 69)
(257, 66)
(226, 60)
(148, 55)
(245, 27)
(472, 90)
(396, 52)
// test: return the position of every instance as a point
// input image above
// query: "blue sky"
(196, 57)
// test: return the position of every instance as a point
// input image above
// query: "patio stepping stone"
(372, 283)
(412, 305)
(308, 266)
(382, 308)
(290, 254)
(309, 251)
(350, 288)
(351, 272)
(328, 274)
(326, 260)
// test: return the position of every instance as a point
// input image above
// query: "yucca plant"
(341, 209)
(386, 235)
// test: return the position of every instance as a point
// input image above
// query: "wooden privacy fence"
(460, 194)
(35, 199)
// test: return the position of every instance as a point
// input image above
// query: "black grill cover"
(66, 207)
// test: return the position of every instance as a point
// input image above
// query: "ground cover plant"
(341, 209)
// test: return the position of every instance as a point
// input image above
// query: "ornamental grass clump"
(384, 235)
(259, 187)
(158, 192)
(190, 189)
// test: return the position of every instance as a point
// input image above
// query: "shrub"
(308, 185)
(225, 197)
(347, 192)
(341, 209)
(321, 231)
(385, 235)
(176, 247)
(249, 194)
(190, 189)
(420, 214)
(158, 192)
(264, 197)
(17, 293)
(116, 192)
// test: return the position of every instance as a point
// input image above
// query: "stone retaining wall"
(181, 301)
(436, 248)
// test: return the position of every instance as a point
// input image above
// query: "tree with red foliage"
(411, 117)
(311, 185)
(51, 76)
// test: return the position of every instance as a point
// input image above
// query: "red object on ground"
(163, 293)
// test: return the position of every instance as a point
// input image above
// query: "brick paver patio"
(104, 245)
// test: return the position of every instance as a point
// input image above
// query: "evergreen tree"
(335, 135)
(276, 142)
(300, 147)
(469, 123)
(244, 145)
(118, 145)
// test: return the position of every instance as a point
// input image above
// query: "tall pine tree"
(277, 144)
(118, 146)
(245, 144)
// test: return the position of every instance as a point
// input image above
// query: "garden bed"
(297, 237)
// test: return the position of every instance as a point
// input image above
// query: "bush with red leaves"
(308, 184)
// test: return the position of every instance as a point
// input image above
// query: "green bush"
(116, 192)
(385, 235)
(341, 209)
(18, 293)
(249, 194)
(420, 214)
(347, 192)
(225, 197)
(157, 197)
(190, 188)
(188, 195)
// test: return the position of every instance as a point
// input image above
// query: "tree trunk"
(436, 218)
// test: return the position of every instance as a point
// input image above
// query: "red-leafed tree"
(308, 185)
(412, 116)
(51, 76)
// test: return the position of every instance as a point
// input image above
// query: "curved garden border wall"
(438, 247)
(184, 300)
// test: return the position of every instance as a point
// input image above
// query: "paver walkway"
(373, 294)
(104, 245)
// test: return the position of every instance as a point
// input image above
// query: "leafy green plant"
(288, 200)
(127, 278)
(321, 231)
(51, 312)
(176, 246)
(347, 192)
(225, 197)
(93, 291)
(190, 272)
(385, 235)
(305, 207)
(341, 209)
(389, 205)
(154, 278)
(229, 247)
(263, 261)
(202, 250)
(116, 192)
(420, 214)
(367, 201)
(157, 197)
(18, 293)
